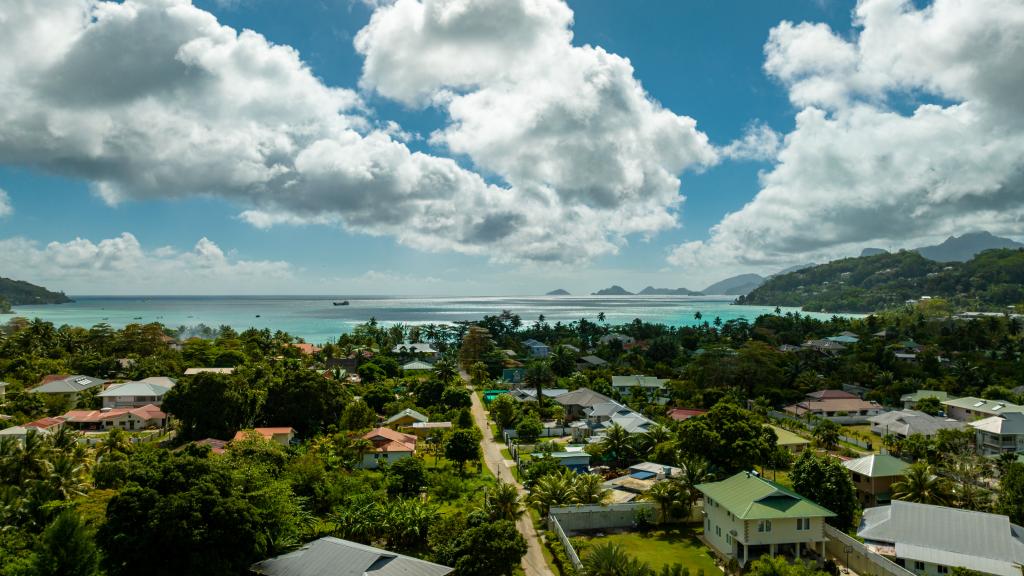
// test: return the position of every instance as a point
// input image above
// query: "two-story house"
(874, 475)
(136, 394)
(998, 434)
(970, 408)
(746, 516)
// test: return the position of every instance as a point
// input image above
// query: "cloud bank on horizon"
(913, 128)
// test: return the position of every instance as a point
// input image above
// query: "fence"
(570, 552)
(595, 516)
(552, 432)
(855, 556)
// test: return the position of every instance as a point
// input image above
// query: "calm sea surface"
(316, 319)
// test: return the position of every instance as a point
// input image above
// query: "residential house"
(845, 338)
(571, 348)
(306, 348)
(903, 423)
(641, 478)
(681, 414)
(649, 386)
(930, 540)
(590, 361)
(874, 475)
(910, 400)
(426, 429)
(530, 394)
(331, 556)
(416, 349)
(608, 339)
(216, 446)
(417, 366)
(129, 419)
(389, 447)
(136, 394)
(791, 441)
(536, 349)
(67, 386)
(575, 460)
(194, 371)
(837, 405)
(281, 435)
(43, 426)
(824, 346)
(746, 516)
(970, 408)
(601, 417)
(405, 418)
(578, 400)
(999, 434)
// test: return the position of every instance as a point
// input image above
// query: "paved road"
(533, 563)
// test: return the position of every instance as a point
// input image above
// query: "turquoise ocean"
(316, 319)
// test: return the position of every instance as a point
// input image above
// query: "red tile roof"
(307, 348)
(147, 412)
(216, 446)
(680, 414)
(388, 440)
(831, 395)
(44, 423)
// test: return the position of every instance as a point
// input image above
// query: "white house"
(746, 516)
(389, 446)
(929, 540)
(536, 348)
(970, 408)
(998, 434)
(69, 386)
(136, 394)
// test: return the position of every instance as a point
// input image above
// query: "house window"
(764, 526)
(728, 539)
(718, 531)
(856, 477)
(803, 523)
(918, 565)
(942, 569)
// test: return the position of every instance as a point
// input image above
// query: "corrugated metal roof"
(750, 497)
(877, 466)
(336, 557)
(949, 536)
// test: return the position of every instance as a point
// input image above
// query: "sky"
(495, 147)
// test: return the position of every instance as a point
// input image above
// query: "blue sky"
(702, 60)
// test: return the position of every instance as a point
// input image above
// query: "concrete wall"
(596, 517)
(371, 460)
(842, 547)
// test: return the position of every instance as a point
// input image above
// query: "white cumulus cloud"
(155, 98)
(5, 204)
(911, 130)
(121, 265)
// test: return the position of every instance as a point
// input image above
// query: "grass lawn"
(660, 547)
(779, 477)
(864, 430)
(506, 454)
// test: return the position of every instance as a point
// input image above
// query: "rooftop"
(1011, 423)
(141, 388)
(750, 497)
(582, 397)
(922, 394)
(949, 536)
(388, 440)
(61, 384)
(407, 412)
(147, 412)
(266, 433)
(194, 371)
(877, 466)
(331, 556)
(637, 380)
(982, 405)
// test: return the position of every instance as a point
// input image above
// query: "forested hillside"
(991, 280)
(20, 292)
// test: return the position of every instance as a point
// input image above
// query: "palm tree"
(695, 470)
(538, 373)
(116, 442)
(618, 443)
(445, 371)
(588, 489)
(697, 315)
(609, 559)
(68, 477)
(669, 495)
(921, 485)
(503, 502)
(30, 460)
(600, 316)
(551, 490)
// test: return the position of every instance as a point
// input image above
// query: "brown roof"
(830, 395)
(388, 440)
(680, 414)
(216, 446)
(833, 405)
(266, 433)
(307, 348)
(44, 423)
(147, 412)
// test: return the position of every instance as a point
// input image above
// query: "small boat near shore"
(342, 303)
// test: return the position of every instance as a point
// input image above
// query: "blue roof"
(642, 475)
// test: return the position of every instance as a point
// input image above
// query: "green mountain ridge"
(19, 292)
(992, 280)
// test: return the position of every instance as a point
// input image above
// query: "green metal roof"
(877, 466)
(787, 438)
(750, 497)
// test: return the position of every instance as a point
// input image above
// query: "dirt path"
(533, 563)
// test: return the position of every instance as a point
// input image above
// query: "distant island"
(991, 280)
(652, 291)
(736, 285)
(19, 292)
(558, 292)
(615, 290)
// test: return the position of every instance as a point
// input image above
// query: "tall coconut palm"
(68, 477)
(921, 485)
(670, 496)
(539, 374)
(552, 490)
(695, 470)
(445, 371)
(503, 502)
(30, 460)
(618, 444)
(588, 489)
